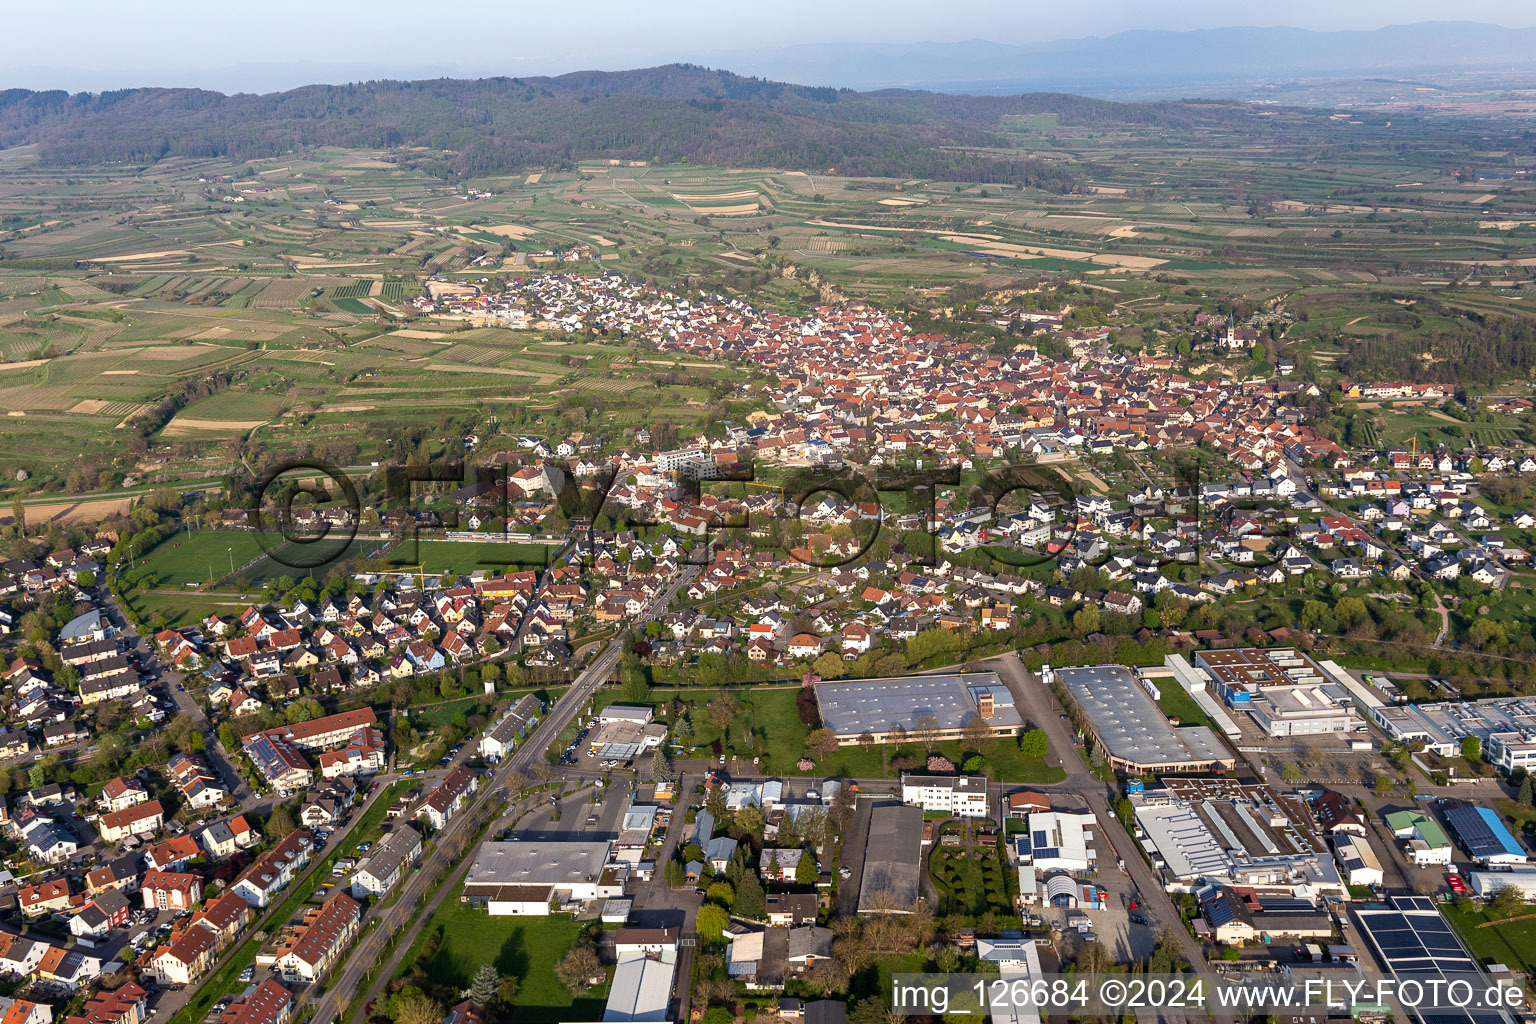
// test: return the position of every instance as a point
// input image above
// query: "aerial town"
(668, 546)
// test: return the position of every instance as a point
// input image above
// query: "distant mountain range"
(669, 114)
(1152, 63)
(1218, 63)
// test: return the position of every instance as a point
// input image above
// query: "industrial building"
(1285, 692)
(642, 988)
(1425, 842)
(1483, 835)
(521, 877)
(1486, 883)
(907, 705)
(1126, 721)
(1506, 726)
(1357, 858)
(1055, 841)
(1225, 833)
(893, 855)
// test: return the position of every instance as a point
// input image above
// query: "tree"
(1524, 795)
(1506, 899)
(674, 874)
(506, 990)
(1291, 772)
(412, 1006)
(721, 893)
(925, 729)
(661, 768)
(806, 872)
(1086, 620)
(281, 824)
(1472, 748)
(751, 903)
(829, 665)
(750, 820)
(722, 711)
(977, 736)
(1383, 785)
(1350, 611)
(483, 988)
(712, 922)
(304, 709)
(821, 741)
(578, 970)
(1034, 744)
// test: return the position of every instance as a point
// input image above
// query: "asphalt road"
(451, 844)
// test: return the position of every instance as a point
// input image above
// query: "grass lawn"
(314, 559)
(466, 556)
(770, 713)
(1512, 943)
(1176, 703)
(185, 558)
(528, 947)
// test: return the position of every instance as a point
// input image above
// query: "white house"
(964, 796)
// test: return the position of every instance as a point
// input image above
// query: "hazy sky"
(109, 43)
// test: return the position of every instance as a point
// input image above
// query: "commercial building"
(1225, 833)
(939, 706)
(964, 796)
(1055, 841)
(1483, 835)
(624, 740)
(893, 854)
(1506, 727)
(1125, 720)
(641, 989)
(1357, 859)
(1425, 842)
(521, 877)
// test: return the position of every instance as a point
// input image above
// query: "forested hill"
(664, 115)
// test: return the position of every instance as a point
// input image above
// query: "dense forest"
(1485, 352)
(668, 114)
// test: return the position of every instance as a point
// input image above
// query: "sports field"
(188, 558)
(464, 557)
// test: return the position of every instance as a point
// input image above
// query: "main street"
(452, 842)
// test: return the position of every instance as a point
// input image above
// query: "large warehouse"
(944, 703)
(519, 878)
(1134, 732)
(893, 857)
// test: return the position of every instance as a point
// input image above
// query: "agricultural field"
(294, 307)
